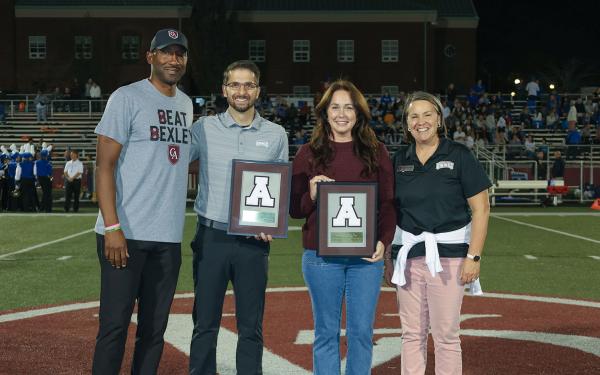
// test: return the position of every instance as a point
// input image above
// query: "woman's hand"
(312, 185)
(470, 271)
(378, 254)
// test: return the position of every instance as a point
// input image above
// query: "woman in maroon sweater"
(343, 148)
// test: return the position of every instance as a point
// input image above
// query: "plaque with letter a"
(346, 218)
(260, 198)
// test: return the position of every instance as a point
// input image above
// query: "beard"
(241, 108)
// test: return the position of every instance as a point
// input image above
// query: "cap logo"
(173, 34)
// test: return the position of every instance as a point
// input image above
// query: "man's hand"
(115, 249)
(264, 237)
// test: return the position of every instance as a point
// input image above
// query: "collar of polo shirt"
(443, 149)
(228, 121)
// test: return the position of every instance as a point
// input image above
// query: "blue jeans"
(329, 280)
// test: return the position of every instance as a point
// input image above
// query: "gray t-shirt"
(152, 170)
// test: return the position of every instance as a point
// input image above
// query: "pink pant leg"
(444, 298)
(414, 316)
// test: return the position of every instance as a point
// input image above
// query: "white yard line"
(595, 257)
(27, 249)
(546, 229)
(65, 257)
(550, 214)
(530, 257)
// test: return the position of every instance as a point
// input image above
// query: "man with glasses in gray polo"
(238, 133)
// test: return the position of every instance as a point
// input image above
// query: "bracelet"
(112, 228)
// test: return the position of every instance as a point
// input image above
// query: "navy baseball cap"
(166, 37)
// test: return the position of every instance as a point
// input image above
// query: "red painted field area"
(500, 336)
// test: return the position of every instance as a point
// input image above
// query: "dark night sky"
(525, 38)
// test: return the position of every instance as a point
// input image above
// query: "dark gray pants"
(218, 259)
(151, 278)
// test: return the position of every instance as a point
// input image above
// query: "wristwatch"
(474, 258)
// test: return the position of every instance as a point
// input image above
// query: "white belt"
(432, 255)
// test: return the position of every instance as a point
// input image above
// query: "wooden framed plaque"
(260, 198)
(346, 219)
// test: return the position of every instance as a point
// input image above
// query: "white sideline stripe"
(88, 305)
(530, 257)
(551, 214)
(595, 257)
(65, 257)
(45, 244)
(546, 229)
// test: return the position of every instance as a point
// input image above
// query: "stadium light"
(517, 81)
(512, 94)
(551, 86)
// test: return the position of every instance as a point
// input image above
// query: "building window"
(389, 50)
(301, 90)
(301, 50)
(130, 47)
(37, 47)
(345, 50)
(83, 47)
(257, 50)
(392, 90)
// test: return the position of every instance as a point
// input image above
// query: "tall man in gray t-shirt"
(238, 133)
(142, 168)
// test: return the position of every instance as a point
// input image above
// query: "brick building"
(386, 44)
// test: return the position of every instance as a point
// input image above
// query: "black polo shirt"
(433, 197)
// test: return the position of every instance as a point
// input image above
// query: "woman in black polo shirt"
(442, 212)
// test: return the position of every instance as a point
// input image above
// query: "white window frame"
(37, 47)
(257, 50)
(83, 47)
(130, 47)
(389, 50)
(301, 50)
(345, 50)
(301, 90)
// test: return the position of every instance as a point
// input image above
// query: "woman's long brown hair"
(365, 141)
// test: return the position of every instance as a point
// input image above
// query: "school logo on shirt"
(444, 164)
(173, 154)
(264, 144)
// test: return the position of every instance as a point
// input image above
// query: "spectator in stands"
(540, 162)
(572, 140)
(533, 91)
(4, 186)
(525, 117)
(529, 147)
(72, 175)
(88, 87)
(450, 95)
(386, 100)
(552, 120)
(75, 89)
(447, 111)
(40, 102)
(515, 147)
(459, 135)
(580, 110)
(96, 96)
(478, 88)
(558, 167)
(596, 139)
(586, 134)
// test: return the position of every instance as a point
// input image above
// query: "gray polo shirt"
(216, 141)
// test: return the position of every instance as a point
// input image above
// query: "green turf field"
(563, 247)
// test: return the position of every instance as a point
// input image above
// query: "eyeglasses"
(179, 54)
(236, 86)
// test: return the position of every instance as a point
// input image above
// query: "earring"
(439, 124)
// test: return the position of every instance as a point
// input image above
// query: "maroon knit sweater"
(345, 167)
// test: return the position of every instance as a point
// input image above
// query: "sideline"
(45, 244)
(546, 229)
